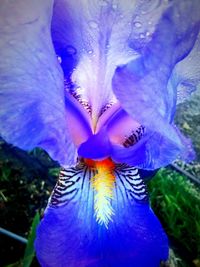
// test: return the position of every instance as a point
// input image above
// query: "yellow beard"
(103, 184)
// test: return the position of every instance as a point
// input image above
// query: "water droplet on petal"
(93, 24)
(90, 52)
(143, 12)
(137, 24)
(147, 33)
(59, 59)
(142, 36)
(114, 6)
(71, 50)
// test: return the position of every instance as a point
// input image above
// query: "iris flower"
(95, 84)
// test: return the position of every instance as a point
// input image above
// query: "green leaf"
(16, 264)
(54, 171)
(30, 251)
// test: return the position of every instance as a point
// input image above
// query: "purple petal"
(97, 146)
(186, 74)
(94, 38)
(153, 151)
(120, 126)
(146, 79)
(32, 104)
(79, 120)
(70, 236)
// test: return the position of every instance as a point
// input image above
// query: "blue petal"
(186, 74)
(70, 236)
(153, 151)
(97, 146)
(93, 38)
(78, 119)
(153, 101)
(32, 104)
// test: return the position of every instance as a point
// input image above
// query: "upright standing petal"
(32, 104)
(94, 36)
(146, 79)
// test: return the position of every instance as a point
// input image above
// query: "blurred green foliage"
(176, 201)
(30, 251)
(26, 183)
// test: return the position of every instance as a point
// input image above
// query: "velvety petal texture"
(146, 79)
(96, 147)
(69, 234)
(151, 152)
(95, 37)
(32, 101)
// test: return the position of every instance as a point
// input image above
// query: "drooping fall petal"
(32, 101)
(70, 235)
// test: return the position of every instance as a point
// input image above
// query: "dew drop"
(143, 12)
(114, 6)
(71, 50)
(59, 59)
(93, 24)
(142, 36)
(137, 24)
(147, 33)
(90, 52)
